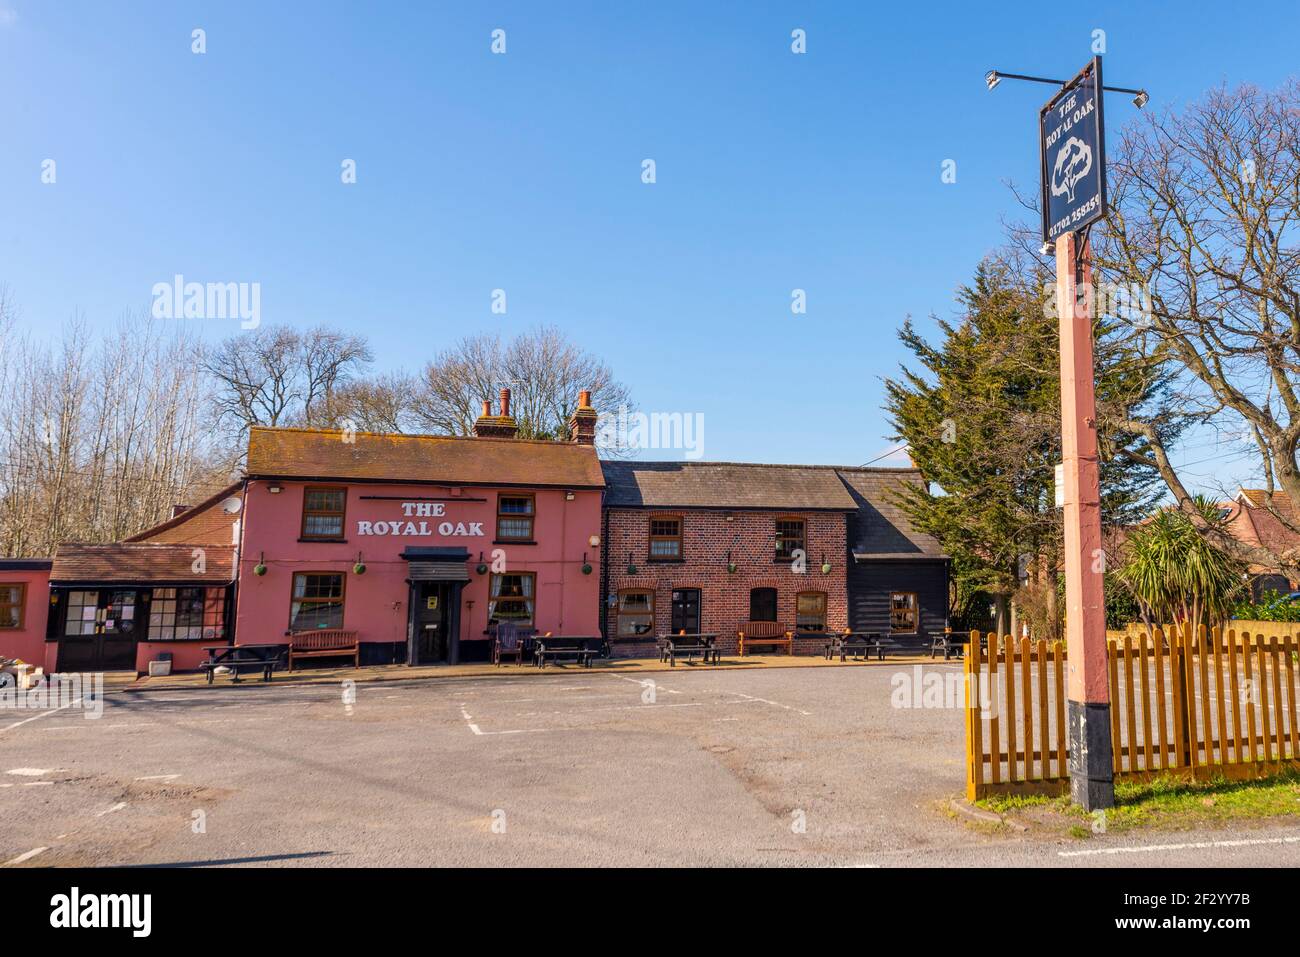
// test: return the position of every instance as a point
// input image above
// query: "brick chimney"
(501, 426)
(582, 424)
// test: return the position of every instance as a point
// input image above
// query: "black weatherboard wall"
(887, 555)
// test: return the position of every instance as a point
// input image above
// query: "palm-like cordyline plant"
(1176, 573)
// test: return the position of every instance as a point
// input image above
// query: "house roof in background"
(436, 459)
(141, 563)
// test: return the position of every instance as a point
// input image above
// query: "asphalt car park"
(784, 766)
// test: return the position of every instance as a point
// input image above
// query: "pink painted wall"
(186, 655)
(28, 642)
(567, 601)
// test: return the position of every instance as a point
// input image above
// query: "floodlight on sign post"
(1072, 165)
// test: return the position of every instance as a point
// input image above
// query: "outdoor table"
(950, 643)
(578, 647)
(860, 644)
(689, 645)
(264, 657)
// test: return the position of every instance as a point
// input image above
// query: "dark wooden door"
(686, 610)
(432, 631)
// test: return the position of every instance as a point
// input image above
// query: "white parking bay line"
(646, 683)
(25, 857)
(479, 731)
(1190, 845)
(116, 807)
(37, 717)
(159, 777)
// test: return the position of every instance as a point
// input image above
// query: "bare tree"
(1205, 210)
(280, 376)
(543, 370)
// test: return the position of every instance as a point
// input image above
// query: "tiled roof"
(208, 523)
(141, 563)
(438, 459)
(723, 485)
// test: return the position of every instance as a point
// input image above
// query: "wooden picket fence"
(1185, 703)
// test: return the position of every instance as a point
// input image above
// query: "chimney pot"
(505, 402)
(584, 399)
(487, 407)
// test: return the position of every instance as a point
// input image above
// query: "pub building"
(713, 546)
(421, 545)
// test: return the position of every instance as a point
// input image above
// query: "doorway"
(100, 630)
(432, 618)
(686, 611)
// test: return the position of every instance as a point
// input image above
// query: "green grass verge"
(1167, 802)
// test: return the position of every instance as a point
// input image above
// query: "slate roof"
(141, 563)
(880, 529)
(726, 485)
(877, 527)
(437, 459)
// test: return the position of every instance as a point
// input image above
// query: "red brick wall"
(707, 537)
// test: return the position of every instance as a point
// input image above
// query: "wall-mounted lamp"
(568, 496)
(594, 541)
(275, 488)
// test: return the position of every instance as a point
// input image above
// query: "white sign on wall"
(399, 528)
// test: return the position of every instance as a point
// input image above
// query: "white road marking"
(116, 807)
(38, 784)
(25, 857)
(1191, 845)
(646, 682)
(159, 777)
(777, 704)
(37, 717)
(33, 772)
(479, 731)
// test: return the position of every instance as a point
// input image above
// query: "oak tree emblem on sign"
(1073, 162)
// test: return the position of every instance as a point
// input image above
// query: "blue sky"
(522, 172)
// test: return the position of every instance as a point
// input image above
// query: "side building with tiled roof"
(722, 547)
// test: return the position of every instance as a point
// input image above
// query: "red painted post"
(1092, 776)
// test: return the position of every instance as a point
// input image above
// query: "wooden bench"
(764, 633)
(324, 643)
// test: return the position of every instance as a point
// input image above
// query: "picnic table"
(262, 658)
(672, 647)
(579, 648)
(951, 643)
(859, 644)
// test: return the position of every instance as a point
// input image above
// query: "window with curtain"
(636, 613)
(665, 538)
(515, 517)
(510, 599)
(762, 604)
(317, 601)
(323, 511)
(179, 614)
(810, 611)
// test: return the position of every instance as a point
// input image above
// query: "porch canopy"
(436, 564)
